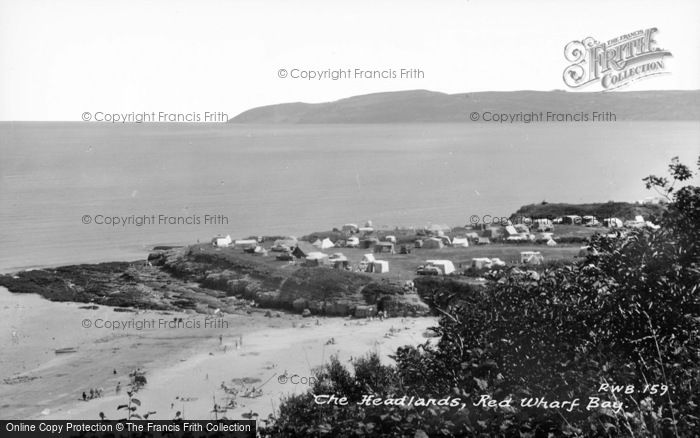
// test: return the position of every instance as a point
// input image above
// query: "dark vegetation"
(629, 315)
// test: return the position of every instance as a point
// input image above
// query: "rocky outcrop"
(202, 279)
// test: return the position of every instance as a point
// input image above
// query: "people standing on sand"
(92, 393)
(119, 387)
(221, 339)
(84, 396)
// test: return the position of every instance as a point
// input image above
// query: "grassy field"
(403, 266)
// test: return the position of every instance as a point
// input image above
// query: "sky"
(60, 59)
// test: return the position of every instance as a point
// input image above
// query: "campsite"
(407, 249)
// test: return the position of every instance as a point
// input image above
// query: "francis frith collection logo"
(616, 62)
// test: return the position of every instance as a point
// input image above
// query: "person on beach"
(221, 339)
(84, 396)
(92, 393)
(119, 387)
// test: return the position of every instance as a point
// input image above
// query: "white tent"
(316, 258)
(368, 258)
(380, 266)
(391, 239)
(511, 230)
(461, 242)
(481, 262)
(612, 222)
(446, 266)
(497, 262)
(221, 241)
(326, 243)
(551, 242)
(352, 242)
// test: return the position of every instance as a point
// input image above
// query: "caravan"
(221, 242)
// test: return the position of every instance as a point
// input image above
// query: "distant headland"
(423, 106)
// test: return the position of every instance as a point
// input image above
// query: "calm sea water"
(297, 179)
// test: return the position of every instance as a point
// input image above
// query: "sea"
(62, 184)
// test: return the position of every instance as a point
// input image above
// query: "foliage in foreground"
(629, 315)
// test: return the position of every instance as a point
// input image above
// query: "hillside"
(427, 106)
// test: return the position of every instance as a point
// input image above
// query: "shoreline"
(185, 363)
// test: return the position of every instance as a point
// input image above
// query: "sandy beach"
(188, 368)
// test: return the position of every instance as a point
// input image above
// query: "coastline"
(186, 363)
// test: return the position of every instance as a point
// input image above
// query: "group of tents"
(521, 233)
(436, 267)
(440, 241)
(610, 222)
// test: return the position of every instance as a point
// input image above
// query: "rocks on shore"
(199, 279)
